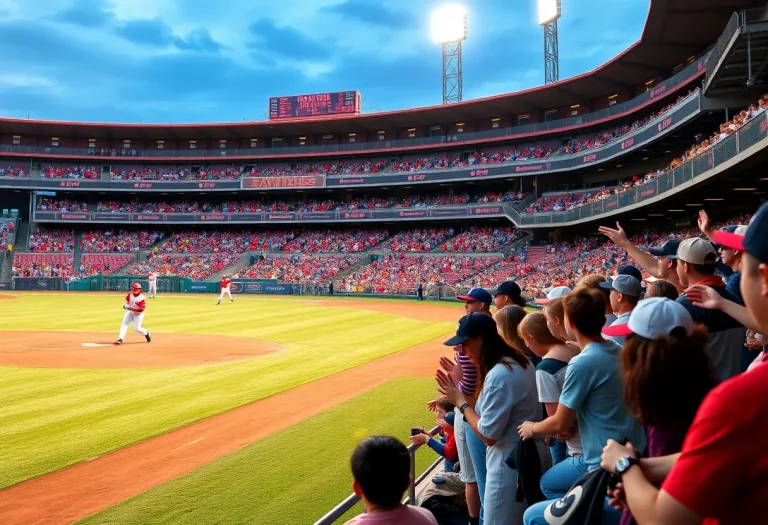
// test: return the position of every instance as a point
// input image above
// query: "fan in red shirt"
(135, 305)
(225, 284)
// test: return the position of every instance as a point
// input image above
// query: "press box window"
(254, 143)
(495, 123)
(54, 141)
(411, 133)
(222, 144)
(522, 120)
(160, 144)
(17, 139)
(91, 143)
(352, 137)
(550, 115)
(382, 135)
(192, 144)
(126, 144)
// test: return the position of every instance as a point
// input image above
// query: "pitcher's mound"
(97, 350)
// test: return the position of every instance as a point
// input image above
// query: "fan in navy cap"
(625, 293)
(628, 269)
(665, 267)
(472, 325)
(506, 294)
(477, 300)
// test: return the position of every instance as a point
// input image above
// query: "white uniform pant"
(136, 319)
(152, 288)
(225, 291)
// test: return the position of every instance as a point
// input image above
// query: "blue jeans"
(559, 451)
(534, 515)
(477, 451)
(556, 481)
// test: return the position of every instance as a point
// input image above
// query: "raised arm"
(619, 237)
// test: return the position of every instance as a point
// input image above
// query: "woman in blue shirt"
(508, 397)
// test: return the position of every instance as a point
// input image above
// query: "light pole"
(449, 28)
(549, 13)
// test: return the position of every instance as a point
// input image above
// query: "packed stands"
(106, 152)
(60, 205)
(418, 240)
(217, 173)
(197, 267)
(251, 206)
(42, 265)
(343, 167)
(54, 171)
(7, 232)
(482, 239)
(299, 268)
(150, 173)
(51, 240)
(401, 274)
(12, 170)
(336, 241)
(103, 241)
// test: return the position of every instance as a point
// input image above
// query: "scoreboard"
(338, 103)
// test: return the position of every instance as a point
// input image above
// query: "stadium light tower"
(549, 12)
(449, 28)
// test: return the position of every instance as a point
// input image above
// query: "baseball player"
(135, 306)
(225, 284)
(152, 278)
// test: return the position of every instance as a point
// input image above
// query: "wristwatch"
(463, 407)
(624, 464)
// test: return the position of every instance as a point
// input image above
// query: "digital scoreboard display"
(338, 103)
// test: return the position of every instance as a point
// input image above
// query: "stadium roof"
(674, 31)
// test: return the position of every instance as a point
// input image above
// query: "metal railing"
(721, 46)
(750, 134)
(342, 508)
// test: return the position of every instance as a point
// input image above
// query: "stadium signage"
(264, 288)
(436, 212)
(268, 183)
(639, 139)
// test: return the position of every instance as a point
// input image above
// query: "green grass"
(294, 476)
(52, 418)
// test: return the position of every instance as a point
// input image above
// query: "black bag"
(584, 502)
(446, 511)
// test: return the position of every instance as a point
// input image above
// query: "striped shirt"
(468, 383)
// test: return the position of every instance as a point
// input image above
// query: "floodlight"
(449, 23)
(549, 10)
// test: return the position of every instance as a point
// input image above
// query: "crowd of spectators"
(198, 267)
(42, 265)
(12, 171)
(437, 161)
(418, 239)
(54, 171)
(342, 167)
(401, 274)
(251, 206)
(150, 173)
(482, 239)
(96, 264)
(103, 241)
(51, 240)
(299, 268)
(7, 233)
(218, 173)
(335, 241)
(107, 152)
(60, 205)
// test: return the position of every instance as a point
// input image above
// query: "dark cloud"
(267, 40)
(85, 13)
(374, 12)
(151, 32)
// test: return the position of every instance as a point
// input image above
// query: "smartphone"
(438, 480)
(415, 431)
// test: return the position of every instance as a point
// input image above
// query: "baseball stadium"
(200, 322)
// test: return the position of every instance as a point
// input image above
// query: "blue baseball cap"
(630, 270)
(472, 325)
(669, 250)
(755, 242)
(477, 294)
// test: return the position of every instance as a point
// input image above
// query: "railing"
(721, 46)
(342, 508)
(753, 16)
(750, 134)
(657, 92)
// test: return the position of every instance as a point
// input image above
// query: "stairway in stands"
(536, 254)
(22, 237)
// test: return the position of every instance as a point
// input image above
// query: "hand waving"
(704, 224)
(705, 297)
(617, 236)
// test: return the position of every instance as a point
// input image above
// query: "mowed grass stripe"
(51, 418)
(293, 476)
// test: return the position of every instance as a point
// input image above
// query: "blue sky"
(203, 61)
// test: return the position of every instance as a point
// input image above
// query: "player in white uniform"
(152, 278)
(225, 283)
(135, 306)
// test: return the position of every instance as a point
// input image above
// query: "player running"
(225, 284)
(152, 278)
(135, 304)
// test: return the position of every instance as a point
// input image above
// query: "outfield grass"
(294, 476)
(52, 418)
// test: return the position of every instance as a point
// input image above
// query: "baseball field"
(244, 412)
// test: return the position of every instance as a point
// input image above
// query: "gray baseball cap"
(625, 284)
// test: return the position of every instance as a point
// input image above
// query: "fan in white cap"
(654, 318)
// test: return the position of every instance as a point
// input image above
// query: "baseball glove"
(125, 306)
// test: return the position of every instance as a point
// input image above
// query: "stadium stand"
(299, 268)
(13, 169)
(197, 267)
(159, 173)
(55, 171)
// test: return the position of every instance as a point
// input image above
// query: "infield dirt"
(81, 490)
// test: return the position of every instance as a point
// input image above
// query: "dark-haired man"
(625, 292)
(381, 468)
(696, 265)
(507, 293)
